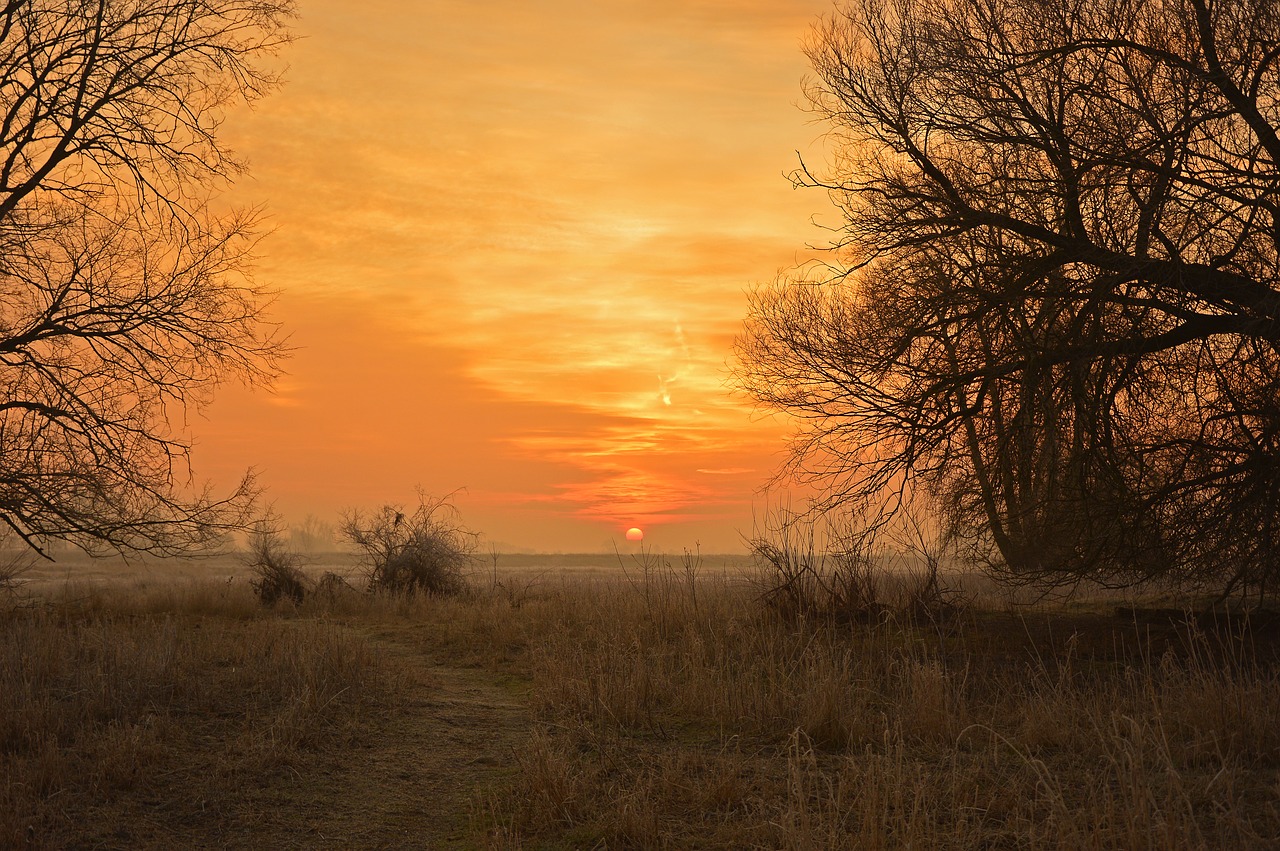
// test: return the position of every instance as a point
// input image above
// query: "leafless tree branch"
(125, 300)
(1054, 303)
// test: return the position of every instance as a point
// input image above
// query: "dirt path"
(414, 784)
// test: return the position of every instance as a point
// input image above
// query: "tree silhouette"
(124, 289)
(1053, 301)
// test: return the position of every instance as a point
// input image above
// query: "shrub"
(427, 550)
(11, 569)
(807, 571)
(814, 564)
(277, 575)
(332, 585)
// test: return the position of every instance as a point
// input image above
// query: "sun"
(635, 534)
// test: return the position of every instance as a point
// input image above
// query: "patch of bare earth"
(412, 781)
(405, 776)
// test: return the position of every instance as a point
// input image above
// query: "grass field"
(663, 706)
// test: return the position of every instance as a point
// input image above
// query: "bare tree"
(125, 297)
(313, 536)
(1054, 301)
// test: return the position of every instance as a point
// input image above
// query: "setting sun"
(572, 370)
(635, 534)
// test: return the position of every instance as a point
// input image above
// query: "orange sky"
(513, 241)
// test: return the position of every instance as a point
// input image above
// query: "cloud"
(500, 221)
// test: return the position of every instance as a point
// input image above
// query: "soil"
(417, 783)
(413, 779)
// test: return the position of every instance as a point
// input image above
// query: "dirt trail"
(414, 784)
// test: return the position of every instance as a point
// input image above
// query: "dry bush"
(332, 586)
(799, 578)
(13, 564)
(427, 550)
(277, 573)
(816, 566)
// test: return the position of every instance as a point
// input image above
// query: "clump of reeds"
(13, 564)
(811, 567)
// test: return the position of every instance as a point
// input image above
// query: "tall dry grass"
(172, 694)
(675, 708)
(677, 711)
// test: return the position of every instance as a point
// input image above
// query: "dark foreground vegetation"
(1052, 302)
(131, 718)
(668, 707)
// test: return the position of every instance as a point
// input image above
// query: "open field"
(663, 706)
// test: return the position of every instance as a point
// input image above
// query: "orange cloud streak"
(513, 241)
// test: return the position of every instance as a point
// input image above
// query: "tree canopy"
(1053, 301)
(125, 295)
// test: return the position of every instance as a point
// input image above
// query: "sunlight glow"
(566, 282)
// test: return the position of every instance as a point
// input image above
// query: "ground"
(414, 784)
(411, 785)
(660, 707)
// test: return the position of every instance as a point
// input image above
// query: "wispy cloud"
(550, 214)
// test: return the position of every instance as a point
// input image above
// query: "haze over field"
(513, 244)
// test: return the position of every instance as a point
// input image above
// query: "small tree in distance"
(125, 298)
(312, 536)
(426, 549)
(1053, 305)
